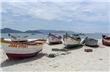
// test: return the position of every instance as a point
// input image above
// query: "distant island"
(9, 30)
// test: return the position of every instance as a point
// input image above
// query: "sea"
(45, 35)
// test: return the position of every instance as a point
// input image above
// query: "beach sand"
(72, 60)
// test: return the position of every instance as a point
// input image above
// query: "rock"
(52, 55)
(88, 50)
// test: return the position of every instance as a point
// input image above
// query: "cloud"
(54, 0)
(60, 11)
(79, 16)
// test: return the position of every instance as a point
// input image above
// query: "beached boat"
(2, 40)
(71, 40)
(54, 39)
(106, 40)
(36, 42)
(90, 42)
(21, 49)
(29, 41)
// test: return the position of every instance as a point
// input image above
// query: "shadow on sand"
(73, 47)
(24, 60)
(54, 44)
(96, 46)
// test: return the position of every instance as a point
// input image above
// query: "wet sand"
(72, 60)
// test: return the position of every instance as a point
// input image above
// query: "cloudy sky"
(79, 16)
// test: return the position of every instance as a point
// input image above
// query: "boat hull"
(91, 43)
(70, 42)
(54, 41)
(15, 53)
(106, 42)
(12, 56)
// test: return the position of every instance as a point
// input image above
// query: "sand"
(72, 60)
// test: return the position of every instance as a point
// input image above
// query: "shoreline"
(72, 60)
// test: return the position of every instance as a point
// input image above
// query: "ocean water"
(44, 36)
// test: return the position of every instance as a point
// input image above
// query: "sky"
(87, 16)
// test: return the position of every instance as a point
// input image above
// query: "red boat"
(20, 49)
(106, 40)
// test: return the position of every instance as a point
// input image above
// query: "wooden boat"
(54, 39)
(71, 40)
(20, 49)
(106, 40)
(90, 42)
(36, 42)
(30, 41)
(2, 40)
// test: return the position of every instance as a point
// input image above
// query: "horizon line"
(56, 30)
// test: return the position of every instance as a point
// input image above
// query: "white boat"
(70, 40)
(20, 49)
(54, 39)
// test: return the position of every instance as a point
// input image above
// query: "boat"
(90, 42)
(21, 49)
(71, 40)
(106, 40)
(36, 42)
(17, 49)
(3, 40)
(54, 39)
